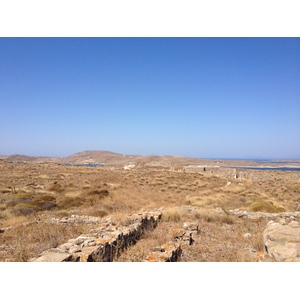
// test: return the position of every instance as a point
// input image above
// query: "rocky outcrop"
(104, 243)
(282, 241)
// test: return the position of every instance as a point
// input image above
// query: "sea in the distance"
(89, 165)
(269, 168)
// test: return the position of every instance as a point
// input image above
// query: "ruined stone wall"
(103, 243)
(172, 251)
(108, 239)
(223, 172)
(258, 215)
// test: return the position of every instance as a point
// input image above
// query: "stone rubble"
(171, 251)
(168, 252)
(108, 239)
(258, 215)
(104, 243)
(77, 219)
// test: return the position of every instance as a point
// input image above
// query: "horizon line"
(204, 158)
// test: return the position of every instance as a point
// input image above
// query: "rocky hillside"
(148, 161)
(97, 157)
(108, 158)
(32, 159)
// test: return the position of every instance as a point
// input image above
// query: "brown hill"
(31, 159)
(110, 158)
(148, 161)
(20, 158)
(96, 157)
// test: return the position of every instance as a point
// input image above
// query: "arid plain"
(104, 184)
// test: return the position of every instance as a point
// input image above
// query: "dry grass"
(29, 192)
(28, 241)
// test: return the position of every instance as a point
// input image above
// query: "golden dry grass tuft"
(266, 206)
(29, 241)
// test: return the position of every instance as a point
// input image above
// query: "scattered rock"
(171, 251)
(247, 235)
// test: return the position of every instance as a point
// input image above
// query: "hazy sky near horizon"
(197, 97)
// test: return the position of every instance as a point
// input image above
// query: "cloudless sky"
(197, 97)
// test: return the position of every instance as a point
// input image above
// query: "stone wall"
(103, 243)
(171, 251)
(108, 239)
(258, 215)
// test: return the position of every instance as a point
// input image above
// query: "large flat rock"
(52, 257)
(282, 241)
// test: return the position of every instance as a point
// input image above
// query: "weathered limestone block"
(282, 241)
(186, 233)
(173, 251)
(178, 234)
(191, 227)
(169, 252)
(53, 255)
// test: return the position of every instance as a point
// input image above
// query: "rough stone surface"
(171, 251)
(103, 243)
(108, 239)
(258, 215)
(53, 256)
(282, 241)
(168, 252)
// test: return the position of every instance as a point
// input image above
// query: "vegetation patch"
(172, 215)
(99, 213)
(56, 187)
(213, 217)
(68, 203)
(26, 205)
(25, 209)
(266, 206)
(101, 192)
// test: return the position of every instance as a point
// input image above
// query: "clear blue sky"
(197, 97)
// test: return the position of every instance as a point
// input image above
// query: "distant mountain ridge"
(111, 158)
(106, 158)
(26, 158)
